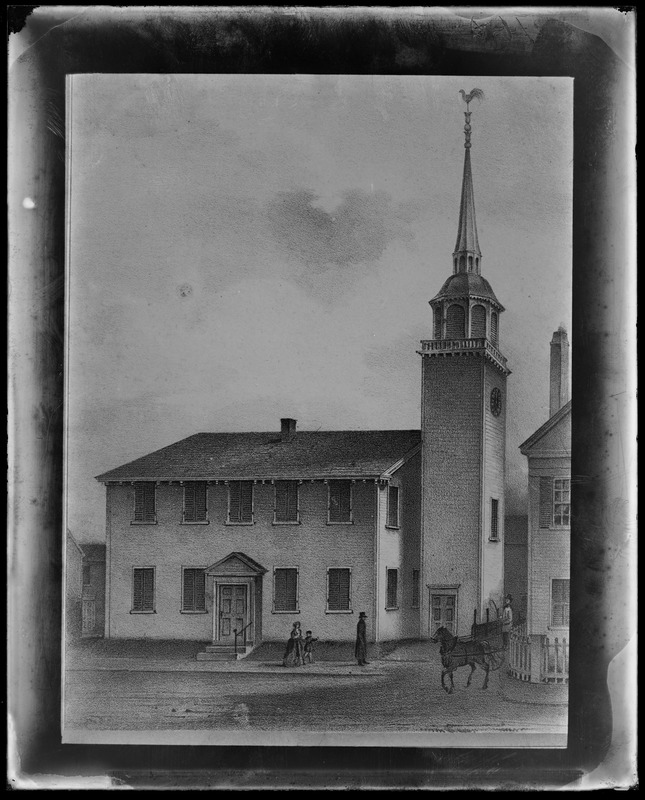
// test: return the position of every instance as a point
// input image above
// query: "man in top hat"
(507, 620)
(360, 651)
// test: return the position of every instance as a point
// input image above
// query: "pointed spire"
(467, 255)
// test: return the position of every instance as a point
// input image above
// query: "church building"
(228, 532)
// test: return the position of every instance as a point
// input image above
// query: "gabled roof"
(236, 564)
(239, 456)
(551, 423)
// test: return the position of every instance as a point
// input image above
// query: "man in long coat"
(360, 651)
(507, 620)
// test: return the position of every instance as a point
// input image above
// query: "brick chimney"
(559, 383)
(287, 429)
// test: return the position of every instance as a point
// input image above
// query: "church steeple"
(467, 255)
(463, 429)
(466, 311)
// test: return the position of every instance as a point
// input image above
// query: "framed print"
(321, 397)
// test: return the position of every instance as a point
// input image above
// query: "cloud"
(356, 231)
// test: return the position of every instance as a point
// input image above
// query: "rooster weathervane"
(475, 94)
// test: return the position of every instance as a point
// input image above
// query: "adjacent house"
(73, 586)
(548, 452)
(93, 590)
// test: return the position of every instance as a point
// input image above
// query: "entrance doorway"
(233, 610)
(443, 612)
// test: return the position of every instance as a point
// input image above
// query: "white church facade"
(224, 532)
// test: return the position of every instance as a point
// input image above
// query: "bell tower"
(463, 425)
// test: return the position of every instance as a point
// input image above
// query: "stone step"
(228, 648)
(210, 656)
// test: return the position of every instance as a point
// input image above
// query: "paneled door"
(442, 612)
(232, 610)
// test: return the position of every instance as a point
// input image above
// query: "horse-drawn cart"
(484, 647)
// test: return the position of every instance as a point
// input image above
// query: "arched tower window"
(477, 262)
(456, 262)
(470, 263)
(437, 322)
(456, 322)
(493, 328)
(462, 262)
(478, 322)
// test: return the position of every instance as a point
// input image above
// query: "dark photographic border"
(343, 40)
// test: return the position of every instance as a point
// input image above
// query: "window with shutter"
(392, 588)
(560, 602)
(415, 588)
(494, 330)
(195, 505)
(455, 322)
(144, 502)
(561, 502)
(340, 501)
(478, 322)
(546, 502)
(285, 589)
(494, 519)
(338, 589)
(393, 507)
(286, 501)
(437, 322)
(143, 590)
(194, 589)
(240, 501)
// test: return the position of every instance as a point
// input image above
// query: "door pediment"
(237, 565)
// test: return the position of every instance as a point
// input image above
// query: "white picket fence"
(538, 659)
(555, 661)
(519, 657)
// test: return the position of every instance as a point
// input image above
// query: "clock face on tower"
(496, 402)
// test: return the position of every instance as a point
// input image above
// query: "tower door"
(233, 613)
(443, 609)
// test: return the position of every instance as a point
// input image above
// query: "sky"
(244, 248)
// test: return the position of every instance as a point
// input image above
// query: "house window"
(561, 502)
(555, 502)
(286, 501)
(392, 506)
(338, 589)
(87, 575)
(195, 501)
(145, 502)
(193, 589)
(340, 501)
(494, 519)
(240, 502)
(560, 602)
(392, 588)
(415, 588)
(143, 590)
(285, 589)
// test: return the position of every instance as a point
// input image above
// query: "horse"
(455, 654)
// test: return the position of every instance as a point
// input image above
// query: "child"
(309, 649)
